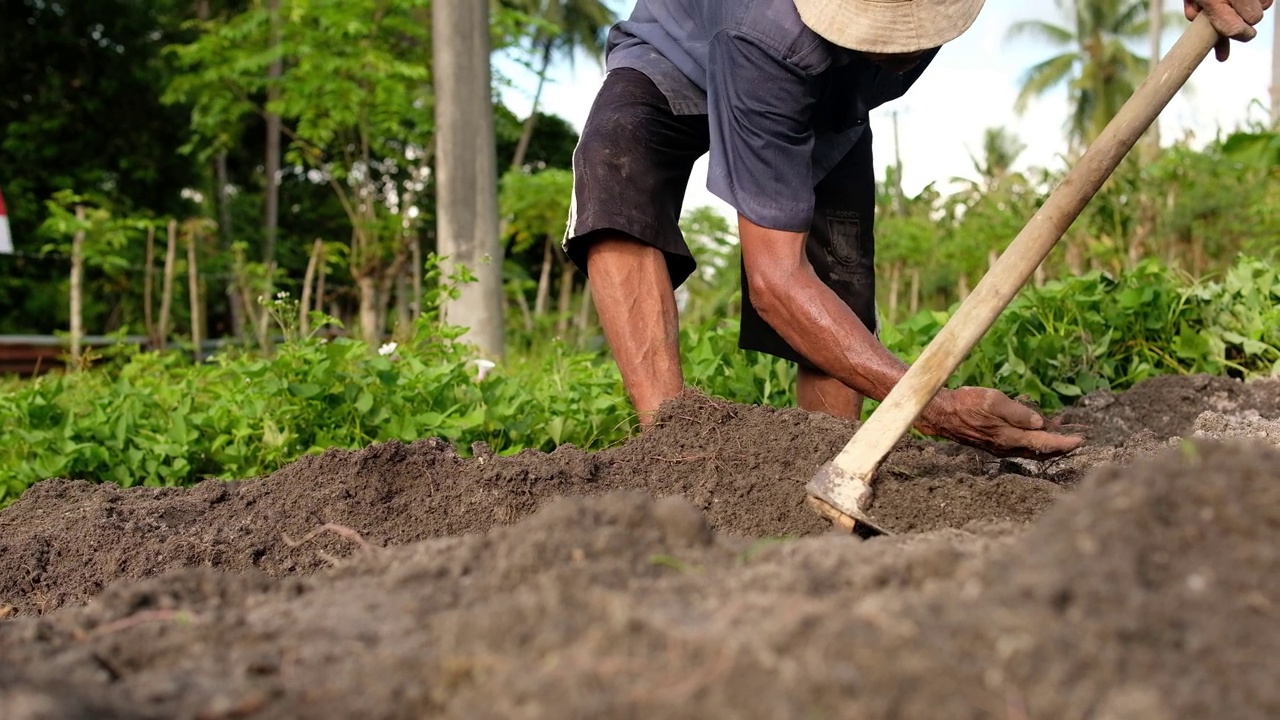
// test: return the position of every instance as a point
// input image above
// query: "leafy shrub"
(161, 420)
(1098, 332)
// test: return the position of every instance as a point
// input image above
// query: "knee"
(605, 139)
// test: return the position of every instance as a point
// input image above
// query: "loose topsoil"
(678, 575)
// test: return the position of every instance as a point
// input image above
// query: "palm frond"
(1043, 77)
(1133, 20)
(1055, 35)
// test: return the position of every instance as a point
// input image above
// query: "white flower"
(387, 349)
(484, 366)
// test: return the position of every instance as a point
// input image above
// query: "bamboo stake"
(77, 280)
(564, 308)
(166, 291)
(193, 289)
(304, 304)
(264, 317)
(404, 307)
(148, 287)
(251, 310)
(320, 275)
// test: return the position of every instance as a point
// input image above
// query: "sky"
(971, 86)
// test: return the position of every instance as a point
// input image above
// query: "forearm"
(810, 316)
(822, 328)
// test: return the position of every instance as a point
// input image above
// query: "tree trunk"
(193, 289)
(914, 306)
(271, 223)
(222, 180)
(320, 277)
(386, 286)
(526, 314)
(899, 196)
(542, 300)
(240, 314)
(584, 313)
(148, 288)
(77, 281)
(304, 304)
(404, 313)
(962, 286)
(526, 132)
(467, 183)
(166, 289)
(253, 312)
(370, 323)
(263, 327)
(1039, 275)
(1075, 261)
(895, 289)
(565, 306)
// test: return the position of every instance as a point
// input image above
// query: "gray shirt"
(782, 103)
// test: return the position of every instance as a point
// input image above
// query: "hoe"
(842, 489)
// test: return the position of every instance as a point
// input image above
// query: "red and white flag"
(6, 242)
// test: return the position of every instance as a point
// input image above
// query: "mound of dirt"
(1168, 406)
(1148, 592)
(744, 467)
(1216, 426)
(1152, 591)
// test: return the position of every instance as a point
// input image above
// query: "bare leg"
(818, 392)
(637, 306)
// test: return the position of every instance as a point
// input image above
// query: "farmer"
(779, 92)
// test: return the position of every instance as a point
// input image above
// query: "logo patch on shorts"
(845, 247)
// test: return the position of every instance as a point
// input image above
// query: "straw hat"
(889, 26)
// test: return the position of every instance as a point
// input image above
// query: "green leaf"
(305, 390)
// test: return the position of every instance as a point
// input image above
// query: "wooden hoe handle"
(845, 482)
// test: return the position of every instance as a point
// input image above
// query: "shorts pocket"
(844, 228)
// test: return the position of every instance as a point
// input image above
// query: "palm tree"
(562, 27)
(1096, 62)
(1000, 149)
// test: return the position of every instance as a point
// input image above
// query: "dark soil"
(1168, 406)
(557, 586)
(744, 467)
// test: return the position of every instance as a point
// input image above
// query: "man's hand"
(988, 420)
(1233, 19)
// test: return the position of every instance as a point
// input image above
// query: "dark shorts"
(630, 172)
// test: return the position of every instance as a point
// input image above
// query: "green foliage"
(160, 420)
(713, 362)
(71, 69)
(715, 288)
(355, 72)
(1098, 332)
(550, 146)
(535, 205)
